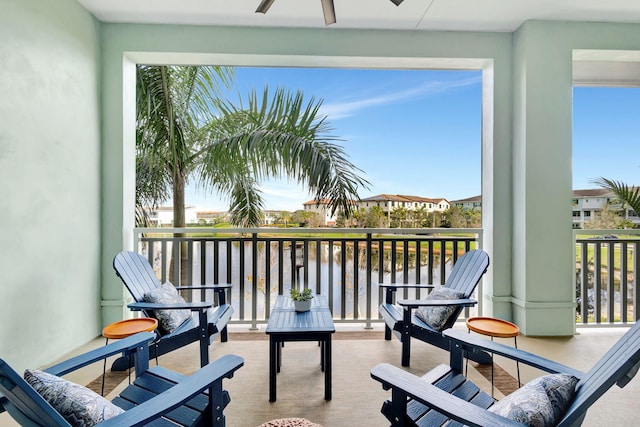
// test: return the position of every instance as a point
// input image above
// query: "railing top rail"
(266, 230)
(615, 232)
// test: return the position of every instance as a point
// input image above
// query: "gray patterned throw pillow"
(541, 402)
(77, 404)
(436, 317)
(169, 320)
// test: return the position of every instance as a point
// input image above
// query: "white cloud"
(338, 110)
(284, 195)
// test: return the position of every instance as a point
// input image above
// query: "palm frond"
(184, 126)
(625, 194)
(282, 135)
(142, 217)
(246, 203)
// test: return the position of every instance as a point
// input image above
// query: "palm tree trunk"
(179, 221)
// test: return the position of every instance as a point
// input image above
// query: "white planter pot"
(301, 306)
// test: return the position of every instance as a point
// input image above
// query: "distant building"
(389, 202)
(163, 216)
(323, 209)
(271, 217)
(211, 216)
(588, 204)
(469, 204)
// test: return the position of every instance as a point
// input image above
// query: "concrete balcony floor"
(356, 397)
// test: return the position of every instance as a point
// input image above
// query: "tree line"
(375, 217)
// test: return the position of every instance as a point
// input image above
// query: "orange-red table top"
(493, 327)
(128, 327)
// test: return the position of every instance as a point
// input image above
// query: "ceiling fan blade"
(264, 6)
(329, 12)
(397, 2)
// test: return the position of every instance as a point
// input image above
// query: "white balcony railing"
(347, 265)
(607, 266)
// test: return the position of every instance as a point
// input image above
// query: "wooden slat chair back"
(444, 396)
(206, 322)
(137, 275)
(465, 276)
(23, 403)
(467, 271)
(156, 397)
(400, 318)
(618, 366)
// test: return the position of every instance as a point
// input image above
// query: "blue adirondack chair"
(400, 317)
(445, 394)
(205, 324)
(154, 397)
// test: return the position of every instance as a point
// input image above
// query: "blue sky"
(417, 132)
(606, 135)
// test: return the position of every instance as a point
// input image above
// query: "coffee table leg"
(279, 357)
(327, 368)
(273, 350)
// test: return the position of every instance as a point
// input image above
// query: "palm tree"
(186, 130)
(627, 195)
(398, 215)
(376, 217)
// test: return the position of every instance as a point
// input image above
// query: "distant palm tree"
(627, 195)
(186, 130)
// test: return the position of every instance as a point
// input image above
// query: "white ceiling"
(456, 15)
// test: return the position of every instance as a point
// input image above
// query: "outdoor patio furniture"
(495, 328)
(205, 323)
(444, 393)
(286, 324)
(123, 329)
(156, 395)
(403, 318)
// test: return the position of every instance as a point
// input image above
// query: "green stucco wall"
(49, 180)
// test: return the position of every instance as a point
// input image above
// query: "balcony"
(69, 138)
(346, 265)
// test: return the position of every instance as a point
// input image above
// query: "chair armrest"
(391, 288)
(193, 306)
(461, 338)
(126, 345)
(224, 367)
(218, 287)
(404, 285)
(415, 303)
(426, 393)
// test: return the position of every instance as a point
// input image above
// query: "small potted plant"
(301, 300)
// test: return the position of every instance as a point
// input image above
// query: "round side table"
(123, 329)
(498, 328)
